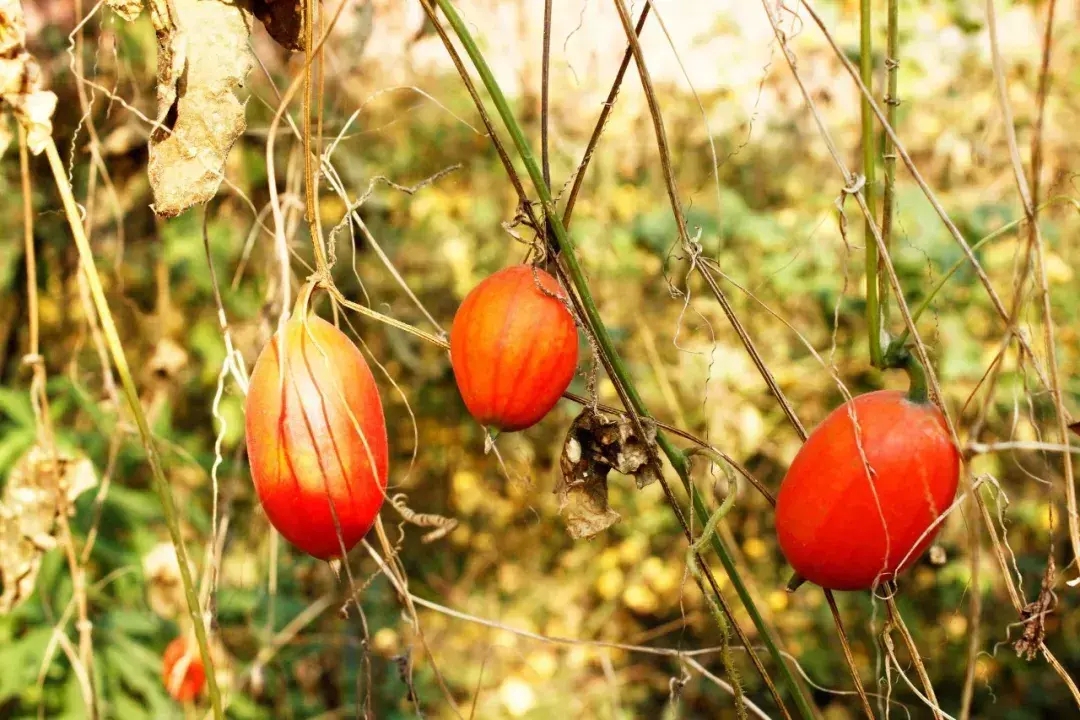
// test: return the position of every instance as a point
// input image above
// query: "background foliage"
(771, 227)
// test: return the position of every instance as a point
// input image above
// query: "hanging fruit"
(843, 528)
(182, 670)
(316, 438)
(513, 347)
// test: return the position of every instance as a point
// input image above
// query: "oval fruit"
(316, 436)
(829, 524)
(513, 347)
(186, 682)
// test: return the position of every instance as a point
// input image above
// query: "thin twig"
(1049, 330)
(116, 349)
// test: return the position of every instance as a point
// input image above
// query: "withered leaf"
(127, 9)
(594, 446)
(283, 20)
(28, 511)
(21, 86)
(203, 58)
(1033, 616)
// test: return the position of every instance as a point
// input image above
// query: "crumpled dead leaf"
(28, 511)
(21, 86)
(283, 20)
(127, 9)
(594, 446)
(203, 58)
(1033, 616)
(165, 589)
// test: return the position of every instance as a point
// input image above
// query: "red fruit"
(183, 684)
(316, 435)
(513, 347)
(827, 520)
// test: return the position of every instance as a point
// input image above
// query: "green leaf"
(21, 660)
(15, 404)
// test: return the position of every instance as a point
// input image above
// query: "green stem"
(919, 390)
(866, 69)
(902, 339)
(888, 200)
(674, 455)
(699, 546)
(116, 349)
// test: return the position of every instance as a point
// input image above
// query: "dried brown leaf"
(594, 446)
(203, 58)
(28, 512)
(21, 85)
(1033, 616)
(127, 9)
(283, 20)
(165, 589)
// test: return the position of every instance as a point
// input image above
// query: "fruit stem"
(303, 300)
(919, 389)
(796, 582)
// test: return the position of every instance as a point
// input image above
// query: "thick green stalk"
(866, 69)
(888, 199)
(674, 455)
(116, 349)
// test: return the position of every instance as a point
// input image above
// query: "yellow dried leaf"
(21, 87)
(127, 9)
(28, 511)
(204, 42)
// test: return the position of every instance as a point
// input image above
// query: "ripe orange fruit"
(316, 438)
(839, 530)
(183, 684)
(513, 347)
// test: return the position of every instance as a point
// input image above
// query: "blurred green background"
(769, 220)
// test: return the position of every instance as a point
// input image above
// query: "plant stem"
(918, 392)
(866, 69)
(116, 349)
(618, 366)
(888, 200)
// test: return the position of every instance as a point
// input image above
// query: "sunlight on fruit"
(517, 697)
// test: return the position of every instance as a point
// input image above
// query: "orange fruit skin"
(193, 679)
(828, 523)
(304, 448)
(514, 349)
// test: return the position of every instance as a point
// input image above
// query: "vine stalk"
(869, 160)
(613, 359)
(131, 394)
